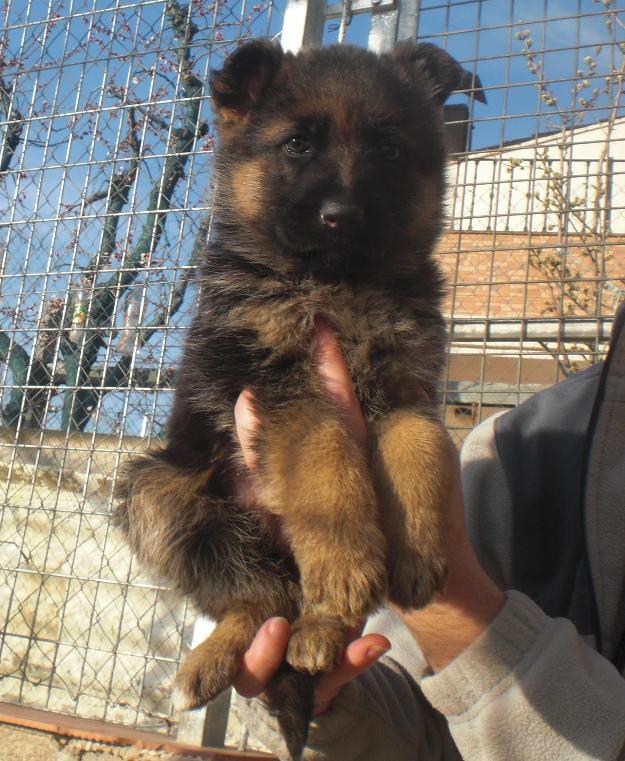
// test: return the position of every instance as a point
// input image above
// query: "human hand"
(266, 654)
(456, 616)
(335, 376)
(267, 651)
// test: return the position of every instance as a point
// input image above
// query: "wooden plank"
(116, 734)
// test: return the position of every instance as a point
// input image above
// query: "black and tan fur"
(330, 176)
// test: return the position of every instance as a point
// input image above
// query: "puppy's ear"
(244, 79)
(444, 72)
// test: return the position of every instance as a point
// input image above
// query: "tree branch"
(120, 372)
(180, 286)
(120, 93)
(78, 401)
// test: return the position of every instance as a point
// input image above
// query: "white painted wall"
(498, 189)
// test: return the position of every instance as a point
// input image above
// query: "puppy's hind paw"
(317, 644)
(201, 680)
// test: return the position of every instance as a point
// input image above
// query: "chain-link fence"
(105, 188)
(534, 253)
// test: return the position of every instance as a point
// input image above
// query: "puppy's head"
(333, 160)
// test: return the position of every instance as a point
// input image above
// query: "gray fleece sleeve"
(487, 500)
(530, 688)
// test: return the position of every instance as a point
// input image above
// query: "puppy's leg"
(318, 480)
(211, 550)
(411, 465)
(212, 666)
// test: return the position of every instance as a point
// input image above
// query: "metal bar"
(206, 725)
(490, 394)
(531, 330)
(408, 15)
(303, 24)
(383, 30)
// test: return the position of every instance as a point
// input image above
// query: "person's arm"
(513, 684)
(510, 683)
(528, 686)
(468, 604)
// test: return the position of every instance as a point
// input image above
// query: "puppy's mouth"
(320, 246)
(335, 260)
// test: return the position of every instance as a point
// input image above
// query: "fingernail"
(275, 627)
(375, 652)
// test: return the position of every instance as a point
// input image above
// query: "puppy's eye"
(390, 151)
(297, 145)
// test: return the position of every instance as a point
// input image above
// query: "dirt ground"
(24, 744)
(21, 744)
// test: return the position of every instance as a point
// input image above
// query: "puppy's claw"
(183, 700)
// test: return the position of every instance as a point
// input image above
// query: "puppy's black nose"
(339, 216)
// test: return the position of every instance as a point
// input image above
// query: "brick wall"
(493, 277)
(490, 275)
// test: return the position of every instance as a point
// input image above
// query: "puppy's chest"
(372, 328)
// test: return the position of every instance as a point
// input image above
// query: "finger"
(246, 424)
(337, 380)
(359, 656)
(263, 658)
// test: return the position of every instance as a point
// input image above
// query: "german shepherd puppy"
(330, 177)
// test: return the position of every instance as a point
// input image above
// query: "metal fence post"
(207, 725)
(394, 25)
(303, 24)
(383, 31)
(408, 14)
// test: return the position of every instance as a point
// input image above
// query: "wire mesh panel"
(105, 189)
(533, 255)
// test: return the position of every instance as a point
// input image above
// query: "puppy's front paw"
(349, 583)
(317, 644)
(414, 579)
